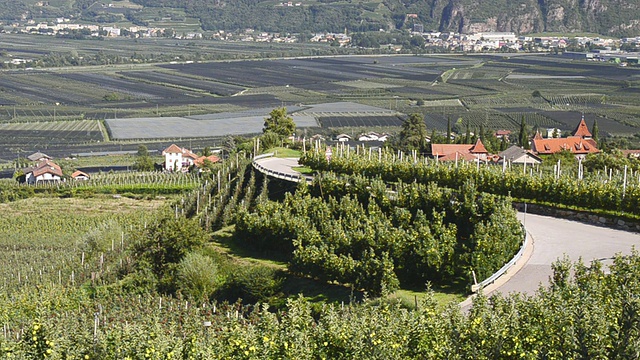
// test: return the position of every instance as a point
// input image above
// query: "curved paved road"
(282, 165)
(552, 238)
(555, 238)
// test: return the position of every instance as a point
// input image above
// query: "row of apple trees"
(360, 231)
(616, 194)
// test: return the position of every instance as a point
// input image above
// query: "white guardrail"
(505, 268)
(275, 174)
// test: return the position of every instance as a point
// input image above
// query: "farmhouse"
(518, 155)
(502, 134)
(181, 159)
(580, 143)
(177, 158)
(452, 152)
(44, 172)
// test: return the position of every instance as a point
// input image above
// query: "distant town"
(623, 50)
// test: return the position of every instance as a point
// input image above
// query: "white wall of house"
(171, 160)
(30, 179)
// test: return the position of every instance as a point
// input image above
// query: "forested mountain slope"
(607, 17)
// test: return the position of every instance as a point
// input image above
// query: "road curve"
(281, 165)
(551, 239)
(554, 238)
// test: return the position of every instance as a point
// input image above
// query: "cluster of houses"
(63, 26)
(580, 144)
(176, 159)
(46, 171)
(365, 137)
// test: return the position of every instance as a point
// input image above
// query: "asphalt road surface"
(555, 238)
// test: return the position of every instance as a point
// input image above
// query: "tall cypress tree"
(523, 137)
(448, 141)
(467, 136)
(594, 130)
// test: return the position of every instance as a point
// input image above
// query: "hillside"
(606, 17)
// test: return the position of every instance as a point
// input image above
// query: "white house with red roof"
(177, 158)
(45, 171)
(181, 159)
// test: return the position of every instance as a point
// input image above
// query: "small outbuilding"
(518, 155)
(79, 175)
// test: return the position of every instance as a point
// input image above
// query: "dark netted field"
(185, 99)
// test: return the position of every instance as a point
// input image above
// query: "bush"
(163, 245)
(198, 276)
(253, 284)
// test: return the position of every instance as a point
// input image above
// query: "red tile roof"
(175, 149)
(575, 144)
(172, 149)
(458, 156)
(582, 130)
(47, 167)
(200, 161)
(478, 148)
(79, 173)
(446, 149)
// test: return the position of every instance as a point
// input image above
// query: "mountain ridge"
(619, 18)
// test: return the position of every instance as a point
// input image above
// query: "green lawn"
(284, 152)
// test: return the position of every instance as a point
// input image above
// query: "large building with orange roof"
(580, 143)
(451, 152)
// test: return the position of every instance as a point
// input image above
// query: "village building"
(39, 157)
(454, 152)
(502, 134)
(373, 136)
(518, 155)
(182, 159)
(580, 143)
(45, 172)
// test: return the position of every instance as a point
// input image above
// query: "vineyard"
(135, 184)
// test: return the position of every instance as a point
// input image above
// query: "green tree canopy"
(413, 134)
(279, 123)
(143, 160)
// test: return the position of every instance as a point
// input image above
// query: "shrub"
(198, 276)
(253, 284)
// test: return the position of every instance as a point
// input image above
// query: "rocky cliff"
(607, 17)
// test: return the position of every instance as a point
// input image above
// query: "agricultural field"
(177, 100)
